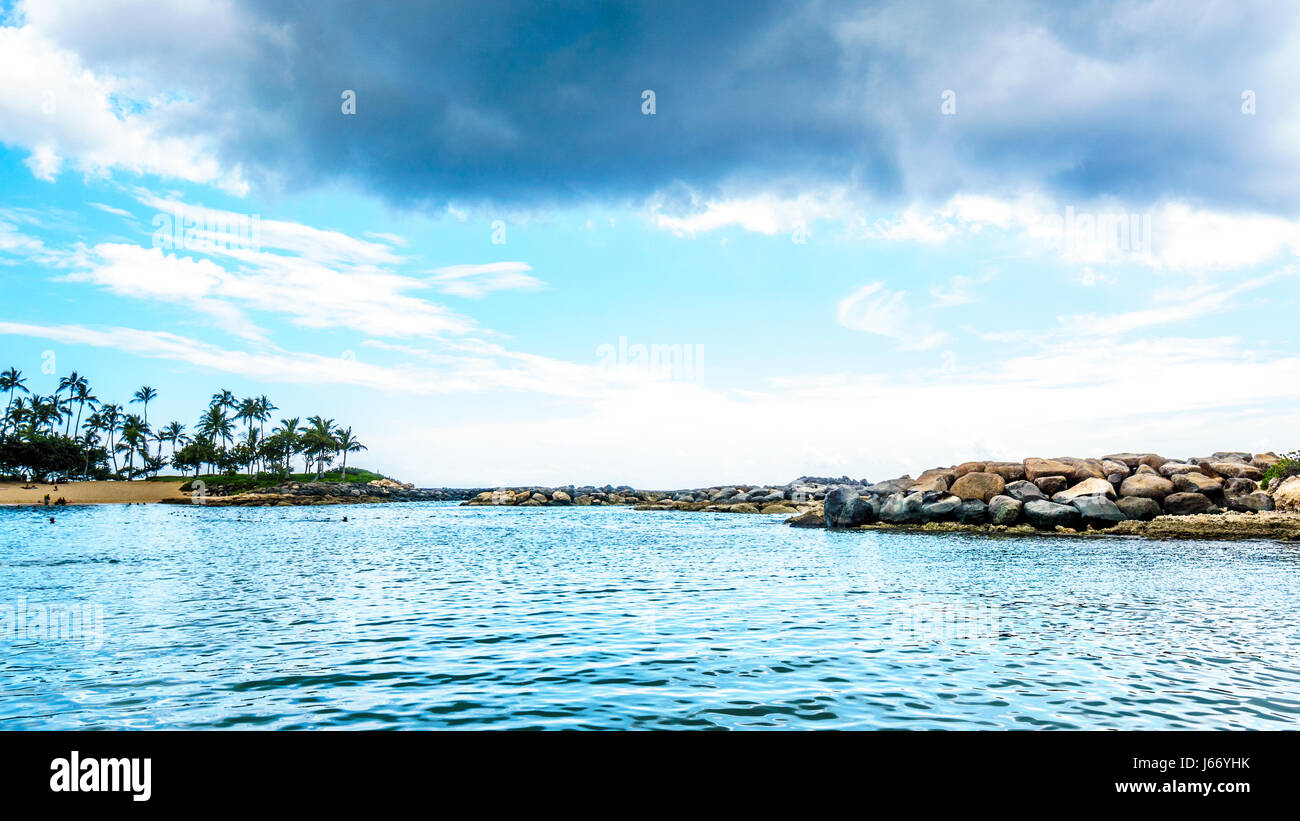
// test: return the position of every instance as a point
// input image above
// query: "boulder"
(1237, 470)
(1286, 496)
(1088, 487)
(1254, 502)
(1185, 504)
(809, 518)
(1242, 456)
(968, 467)
(978, 485)
(1199, 483)
(561, 498)
(901, 508)
(1172, 469)
(1111, 467)
(1025, 491)
(1151, 460)
(1036, 468)
(1098, 510)
(899, 485)
(932, 480)
(1051, 485)
(1004, 510)
(744, 507)
(1049, 515)
(845, 508)
(973, 512)
(1264, 461)
(1148, 485)
(1139, 507)
(1237, 487)
(1129, 460)
(1084, 469)
(1145, 470)
(939, 506)
(1009, 471)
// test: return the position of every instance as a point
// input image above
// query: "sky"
(665, 244)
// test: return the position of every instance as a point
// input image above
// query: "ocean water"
(431, 615)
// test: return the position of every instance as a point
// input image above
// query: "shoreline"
(13, 494)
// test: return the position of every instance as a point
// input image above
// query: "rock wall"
(1064, 492)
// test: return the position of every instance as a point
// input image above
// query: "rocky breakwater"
(802, 495)
(327, 493)
(1125, 493)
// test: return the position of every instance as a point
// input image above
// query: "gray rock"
(1098, 511)
(901, 508)
(1046, 515)
(1139, 507)
(936, 506)
(1004, 510)
(973, 512)
(844, 508)
(1025, 491)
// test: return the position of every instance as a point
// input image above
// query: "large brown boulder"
(1139, 507)
(1264, 461)
(1152, 460)
(1171, 469)
(1286, 496)
(1130, 460)
(1052, 485)
(1084, 469)
(929, 481)
(968, 467)
(1036, 468)
(1091, 486)
(979, 485)
(1148, 485)
(1185, 504)
(1237, 470)
(1009, 471)
(1111, 467)
(1197, 483)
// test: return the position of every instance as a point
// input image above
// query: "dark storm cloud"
(527, 102)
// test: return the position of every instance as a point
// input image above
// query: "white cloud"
(478, 280)
(64, 114)
(874, 309)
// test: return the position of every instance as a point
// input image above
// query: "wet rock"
(1139, 507)
(845, 508)
(902, 508)
(1025, 491)
(1049, 515)
(973, 512)
(1098, 511)
(978, 485)
(1004, 510)
(940, 507)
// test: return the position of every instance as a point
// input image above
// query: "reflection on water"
(433, 615)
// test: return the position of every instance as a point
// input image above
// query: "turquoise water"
(431, 615)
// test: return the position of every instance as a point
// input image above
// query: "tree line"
(72, 434)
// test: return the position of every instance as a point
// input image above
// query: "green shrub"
(1289, 465)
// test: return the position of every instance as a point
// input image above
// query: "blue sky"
(868, 231)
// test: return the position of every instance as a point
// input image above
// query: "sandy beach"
(91, 493)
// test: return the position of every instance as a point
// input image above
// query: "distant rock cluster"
(788, 499)
(1063, 492)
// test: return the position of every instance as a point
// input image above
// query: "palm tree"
(109, 416)
(288, 433)
(223, 399)
(10, 381)
(73, 384)
(173, 432)
(145, 395)
(348, 444)
(320, 439)
(214, 424)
